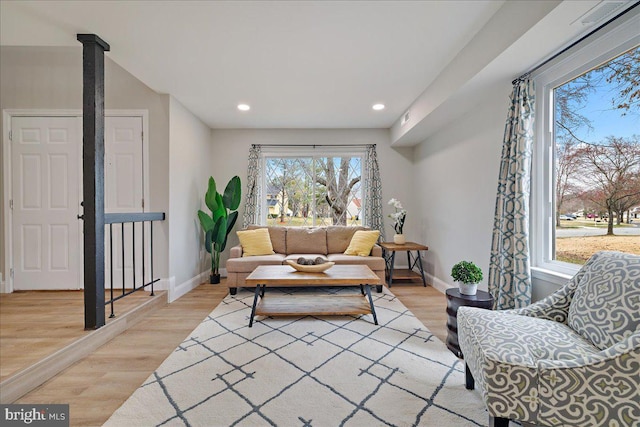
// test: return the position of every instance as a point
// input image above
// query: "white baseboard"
(438, 284)
(176, 291)
(161, 285)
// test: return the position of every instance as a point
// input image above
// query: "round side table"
(455, 299)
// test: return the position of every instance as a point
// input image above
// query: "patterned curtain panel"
(252, 205)
(373, 187)
(509, 268)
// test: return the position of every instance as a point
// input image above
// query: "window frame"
(608, 43)
(313, 152)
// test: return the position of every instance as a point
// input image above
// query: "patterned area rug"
(308, 372)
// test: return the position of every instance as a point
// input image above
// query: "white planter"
(468, 289)
(399, 239)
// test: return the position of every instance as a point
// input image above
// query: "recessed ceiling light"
(244, 107)
(378, 107)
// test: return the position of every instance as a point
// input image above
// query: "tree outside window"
(597, 160)
(305, 191)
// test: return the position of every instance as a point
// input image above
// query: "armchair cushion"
(606, 304)
(523, 341)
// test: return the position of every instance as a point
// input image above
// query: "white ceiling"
(314, 64)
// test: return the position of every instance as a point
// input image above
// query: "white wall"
(447, 182)
(51, 78)
(231, 151)
(189, 171)
(456, 172)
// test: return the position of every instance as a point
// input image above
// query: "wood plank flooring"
(99, 384)
(34, 324)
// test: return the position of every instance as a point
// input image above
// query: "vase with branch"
(398, 218)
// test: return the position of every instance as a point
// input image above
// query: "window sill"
(550, 276)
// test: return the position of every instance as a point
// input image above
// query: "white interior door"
(46, 185)
(123, 194)
(45, 160)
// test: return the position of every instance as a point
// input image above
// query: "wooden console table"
(455, 300)
(389, 252)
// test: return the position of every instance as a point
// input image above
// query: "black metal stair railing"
(123, 219)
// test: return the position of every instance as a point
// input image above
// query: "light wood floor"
(35, 324)
(99, 384)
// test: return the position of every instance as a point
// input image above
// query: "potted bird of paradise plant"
(220, 222)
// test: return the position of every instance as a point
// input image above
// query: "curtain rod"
(312, 145)
(590, 33)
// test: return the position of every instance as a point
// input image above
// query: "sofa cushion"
(339, 237)
(374, 263)
(606, 305)
(362, 242)
(306, 240)
(278, 237)
(247, 265)
(255, 242)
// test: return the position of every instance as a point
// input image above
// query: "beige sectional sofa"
(290, 243)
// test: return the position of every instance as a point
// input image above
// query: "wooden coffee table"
(301, 305)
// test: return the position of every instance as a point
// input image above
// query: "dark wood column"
(93, 177)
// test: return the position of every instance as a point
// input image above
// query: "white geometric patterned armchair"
(571, 359)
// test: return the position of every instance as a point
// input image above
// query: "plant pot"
(214, 279)
(468, 288)
(399, 239)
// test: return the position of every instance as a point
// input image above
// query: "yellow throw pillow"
(362, 242)
(255, 242)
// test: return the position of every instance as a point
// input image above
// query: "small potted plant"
(468, 275)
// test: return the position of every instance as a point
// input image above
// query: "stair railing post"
(93, 177)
